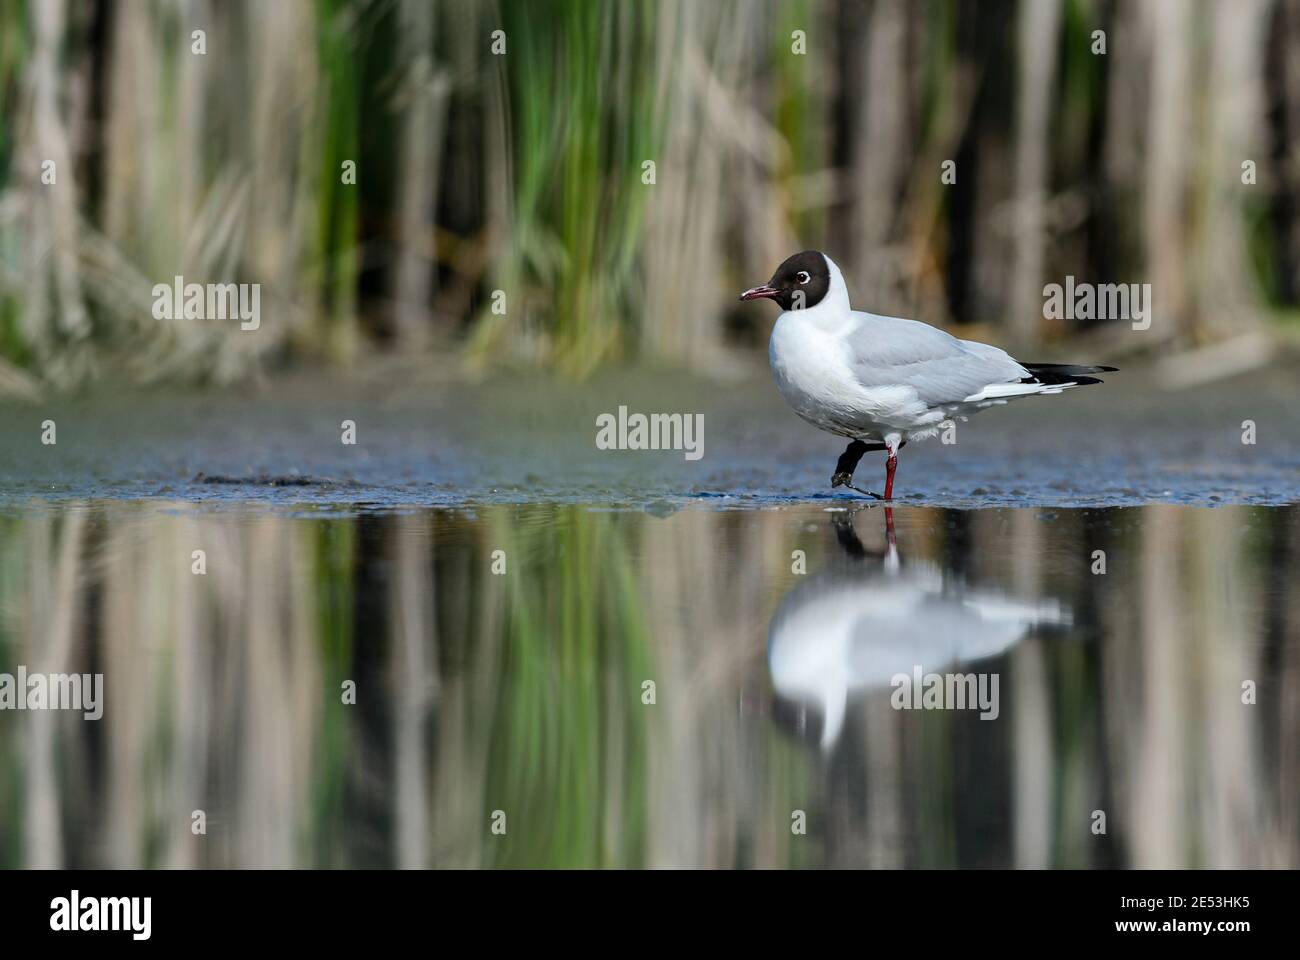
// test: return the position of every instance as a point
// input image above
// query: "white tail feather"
(995, 390)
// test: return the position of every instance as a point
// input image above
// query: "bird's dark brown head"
(799, 283)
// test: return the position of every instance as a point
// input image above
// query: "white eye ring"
(802, 276)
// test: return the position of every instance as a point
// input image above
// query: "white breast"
(810, 365)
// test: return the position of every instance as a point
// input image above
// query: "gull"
(852, 628)
(882, 381)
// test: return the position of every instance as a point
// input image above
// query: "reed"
(522, 173)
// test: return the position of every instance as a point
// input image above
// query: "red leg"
(890, 466)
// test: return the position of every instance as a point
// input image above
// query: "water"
(422, 442)
(452, 625)
(770, 635)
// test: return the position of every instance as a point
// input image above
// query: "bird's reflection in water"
(870, 616)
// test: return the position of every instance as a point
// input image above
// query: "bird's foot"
(843, 479)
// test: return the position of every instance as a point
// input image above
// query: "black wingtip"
(1065, 372)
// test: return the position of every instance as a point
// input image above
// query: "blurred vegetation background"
(523, 172)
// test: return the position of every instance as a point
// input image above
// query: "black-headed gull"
(856, 625)
(882, 381)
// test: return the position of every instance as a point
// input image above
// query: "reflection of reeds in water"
(567, 758)
(522, 693)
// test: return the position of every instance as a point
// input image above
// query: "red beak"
(760, 293)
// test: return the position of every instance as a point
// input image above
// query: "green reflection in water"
(523, 691)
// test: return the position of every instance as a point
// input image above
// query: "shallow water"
(517, 698)
(529, 440)
(396, 645)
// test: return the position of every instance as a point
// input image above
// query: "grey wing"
(891, 351)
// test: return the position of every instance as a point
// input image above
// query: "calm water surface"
(502, 657)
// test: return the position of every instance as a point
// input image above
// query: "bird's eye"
(802, 276)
